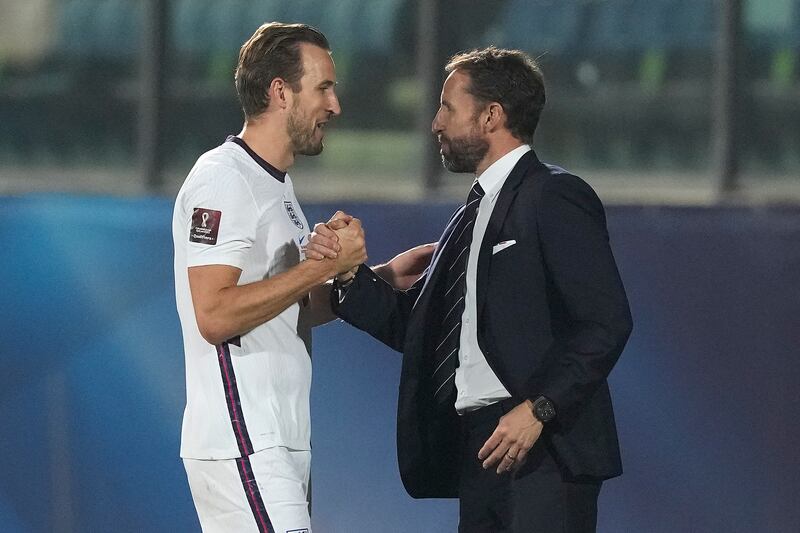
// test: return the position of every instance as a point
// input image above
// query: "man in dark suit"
(510, 334)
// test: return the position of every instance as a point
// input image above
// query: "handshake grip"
(341, 241)
(353, 247)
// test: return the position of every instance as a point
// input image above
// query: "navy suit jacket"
(553, 319)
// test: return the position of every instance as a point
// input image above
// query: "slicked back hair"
(509, 77)
(272, 52)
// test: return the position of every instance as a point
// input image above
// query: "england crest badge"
(292, 215)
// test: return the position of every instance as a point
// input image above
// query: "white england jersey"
(251, 392)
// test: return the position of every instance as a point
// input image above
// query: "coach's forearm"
(237, 309)
(321, 312)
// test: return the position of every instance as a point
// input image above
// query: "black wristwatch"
(543, 409)
(340, 289)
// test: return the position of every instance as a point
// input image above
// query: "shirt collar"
(492, 179)
(274, 172)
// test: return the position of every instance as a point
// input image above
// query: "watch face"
(544, 410)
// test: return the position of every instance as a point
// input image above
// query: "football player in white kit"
(247, 296)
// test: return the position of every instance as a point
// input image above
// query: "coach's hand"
(405, 268)
(516, 433)
(323, 241)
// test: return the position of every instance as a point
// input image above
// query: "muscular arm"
(224, 309)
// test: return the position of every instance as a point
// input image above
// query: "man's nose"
(436, 125)
(334, 108)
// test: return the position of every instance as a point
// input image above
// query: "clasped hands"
(342, 241)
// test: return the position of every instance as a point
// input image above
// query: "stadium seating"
(111, 29)
(566, 26)
(542, 26)
(624, 66)
(108, 30)
(191, 26)
(76, 22)
(117, 31)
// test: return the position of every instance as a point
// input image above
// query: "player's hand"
(353, 250)
(516, 433)
(323, 241)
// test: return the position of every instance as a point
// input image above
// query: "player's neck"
(270, 142)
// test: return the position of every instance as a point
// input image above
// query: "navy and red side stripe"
(254, 495)
(233, 401)
(242, 440)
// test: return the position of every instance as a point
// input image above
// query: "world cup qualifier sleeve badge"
(292, 215)
(205, 226)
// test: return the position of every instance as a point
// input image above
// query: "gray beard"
(465, 154)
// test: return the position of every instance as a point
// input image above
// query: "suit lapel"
(504, 201)
(434, 272)
(419, 330)
(499, 213)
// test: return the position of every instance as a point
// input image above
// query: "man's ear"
(494, 117)
(278, 93)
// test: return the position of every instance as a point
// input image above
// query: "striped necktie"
(455, 286)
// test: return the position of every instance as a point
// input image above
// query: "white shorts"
(266, 492)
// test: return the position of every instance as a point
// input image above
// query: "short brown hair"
(509, 77)
(272, 52)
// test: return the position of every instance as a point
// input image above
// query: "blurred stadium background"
(683, 114)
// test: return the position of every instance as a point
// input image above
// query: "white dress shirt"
(477, 384)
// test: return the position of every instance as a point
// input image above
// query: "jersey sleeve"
(220, 218)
